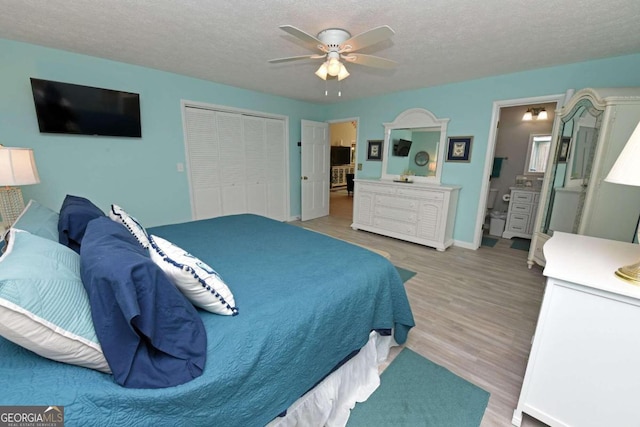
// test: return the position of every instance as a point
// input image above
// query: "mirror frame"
(416, 118)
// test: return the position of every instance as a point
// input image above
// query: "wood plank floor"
(475, 311)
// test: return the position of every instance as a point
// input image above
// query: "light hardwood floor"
(475, 311)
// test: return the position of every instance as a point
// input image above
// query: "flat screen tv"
(84, 110)
(340, 155)
(401, 148)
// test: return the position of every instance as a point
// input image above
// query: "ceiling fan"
(336, 44)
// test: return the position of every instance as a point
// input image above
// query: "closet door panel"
(276, 161)
(234, 199)
(257, 199)
(232, 160)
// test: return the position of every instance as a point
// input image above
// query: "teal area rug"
(405, 274)
(522, 244)
(489, 241)
(416, 392)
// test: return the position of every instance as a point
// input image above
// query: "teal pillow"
(43, 304)
(38, 220)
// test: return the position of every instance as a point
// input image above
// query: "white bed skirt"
(330, 402)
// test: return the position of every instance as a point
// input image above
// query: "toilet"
(497, 219)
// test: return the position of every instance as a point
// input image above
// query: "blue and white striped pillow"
(201, 284)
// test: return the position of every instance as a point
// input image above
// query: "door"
(315, 169)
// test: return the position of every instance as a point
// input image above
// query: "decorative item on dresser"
(582, 370)
(593, 128)
(520, 218)
(17, 167)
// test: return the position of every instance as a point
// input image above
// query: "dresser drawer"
(395, 226)
(522, 196)
(398, 214)
(420, 194)
(518, 222)
(522, 208)
(396, 202)
(379, 189)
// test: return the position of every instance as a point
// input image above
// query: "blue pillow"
(150, 333)
(38, 220)
(75, 214)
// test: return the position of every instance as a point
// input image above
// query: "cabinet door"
(429, 220)
(364, 207)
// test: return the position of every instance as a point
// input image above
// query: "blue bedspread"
(305, 301)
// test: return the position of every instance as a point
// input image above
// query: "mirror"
(414, 147)
(571, 168)
(537, 154)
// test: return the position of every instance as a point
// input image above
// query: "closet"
(237, 163)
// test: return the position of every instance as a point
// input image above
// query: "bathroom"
(520, 154)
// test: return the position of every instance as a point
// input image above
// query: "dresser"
(583, 366)
(415, 212)
(522, 210)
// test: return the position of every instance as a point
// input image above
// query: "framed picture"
(459, 149)
(563, 152)
(374, 150)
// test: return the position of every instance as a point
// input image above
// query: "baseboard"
(294, 218)
(466, 245)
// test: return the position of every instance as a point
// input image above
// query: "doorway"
(507, 153)
(343, 136)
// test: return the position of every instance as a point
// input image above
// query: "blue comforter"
(306, 301)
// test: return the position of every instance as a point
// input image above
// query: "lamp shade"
(626, 170)
(17, 166)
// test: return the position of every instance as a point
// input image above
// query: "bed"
(310, 308)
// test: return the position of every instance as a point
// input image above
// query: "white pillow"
(43, 304)
(118, 214)
(195, 279)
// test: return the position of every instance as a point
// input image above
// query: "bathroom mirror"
(571, 168)
(414, 145)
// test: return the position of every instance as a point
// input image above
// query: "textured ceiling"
(436, 41)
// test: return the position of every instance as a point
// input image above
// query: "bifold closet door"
(237, 164)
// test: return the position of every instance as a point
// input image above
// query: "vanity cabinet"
(418, 213)
(521, 216)
(583, 365)
(592, 130)
(339, 175)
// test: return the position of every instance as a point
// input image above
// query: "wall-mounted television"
(84, 110)
(340, 155)
(401, 147)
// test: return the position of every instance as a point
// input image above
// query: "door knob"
(305, 178)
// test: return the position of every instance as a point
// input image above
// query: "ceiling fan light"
(527, 116)
(322, 71)
(343, 73)
(334, 67)
(542, 115)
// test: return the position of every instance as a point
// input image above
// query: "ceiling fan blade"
(367, 38)
(370, 61)
(309, 40)
(295, 58)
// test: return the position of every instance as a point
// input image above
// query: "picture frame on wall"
(563, 151)
(374, 149)
(459, 148)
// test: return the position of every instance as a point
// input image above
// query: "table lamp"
(17, 167)
(626, 171)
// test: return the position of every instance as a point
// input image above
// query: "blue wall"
(138, 174)
(469, 106)
(141, 176)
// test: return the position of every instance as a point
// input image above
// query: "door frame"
(559, 99)
(355, 155)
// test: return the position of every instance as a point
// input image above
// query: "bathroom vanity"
(523, 206)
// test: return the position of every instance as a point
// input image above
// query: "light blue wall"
(469, 106)
(138, 174)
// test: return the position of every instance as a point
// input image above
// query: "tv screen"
(401, 148)
(84, 110)
(340, 155)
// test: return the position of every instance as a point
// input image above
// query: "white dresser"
(416, 212)
(583, 367)
(522, 210)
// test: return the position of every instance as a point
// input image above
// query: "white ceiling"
(436, 41)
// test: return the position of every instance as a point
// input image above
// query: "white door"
(315, 169)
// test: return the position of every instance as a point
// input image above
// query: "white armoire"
(592, 130)
(237, 163)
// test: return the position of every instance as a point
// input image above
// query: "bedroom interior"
(220, 136)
